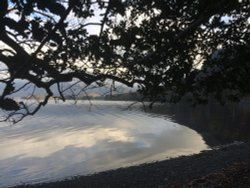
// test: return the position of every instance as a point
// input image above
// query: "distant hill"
(131, 96)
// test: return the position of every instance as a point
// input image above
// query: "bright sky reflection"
(65, 140)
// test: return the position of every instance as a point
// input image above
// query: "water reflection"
(65, 140)
(216, 123)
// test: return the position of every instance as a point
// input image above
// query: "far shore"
(199, 169)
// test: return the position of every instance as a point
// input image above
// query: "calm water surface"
(64, 140)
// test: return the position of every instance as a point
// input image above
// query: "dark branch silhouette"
(165, 48)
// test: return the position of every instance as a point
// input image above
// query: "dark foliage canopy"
(166, 48)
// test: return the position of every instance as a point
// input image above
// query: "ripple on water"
(65, 140)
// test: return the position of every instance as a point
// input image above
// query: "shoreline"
(176, 171)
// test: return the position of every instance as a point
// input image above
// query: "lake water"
(64, 140)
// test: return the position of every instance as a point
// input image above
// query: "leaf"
(117, 6)
(9, 104)
(52, 6)
(56, 8)
(28, 8)
(3, 7)
(14, 25)
(37, 31)
(56, 38)
(9, 89)
(41, 5)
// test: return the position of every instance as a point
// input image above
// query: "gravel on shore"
(183, 171)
